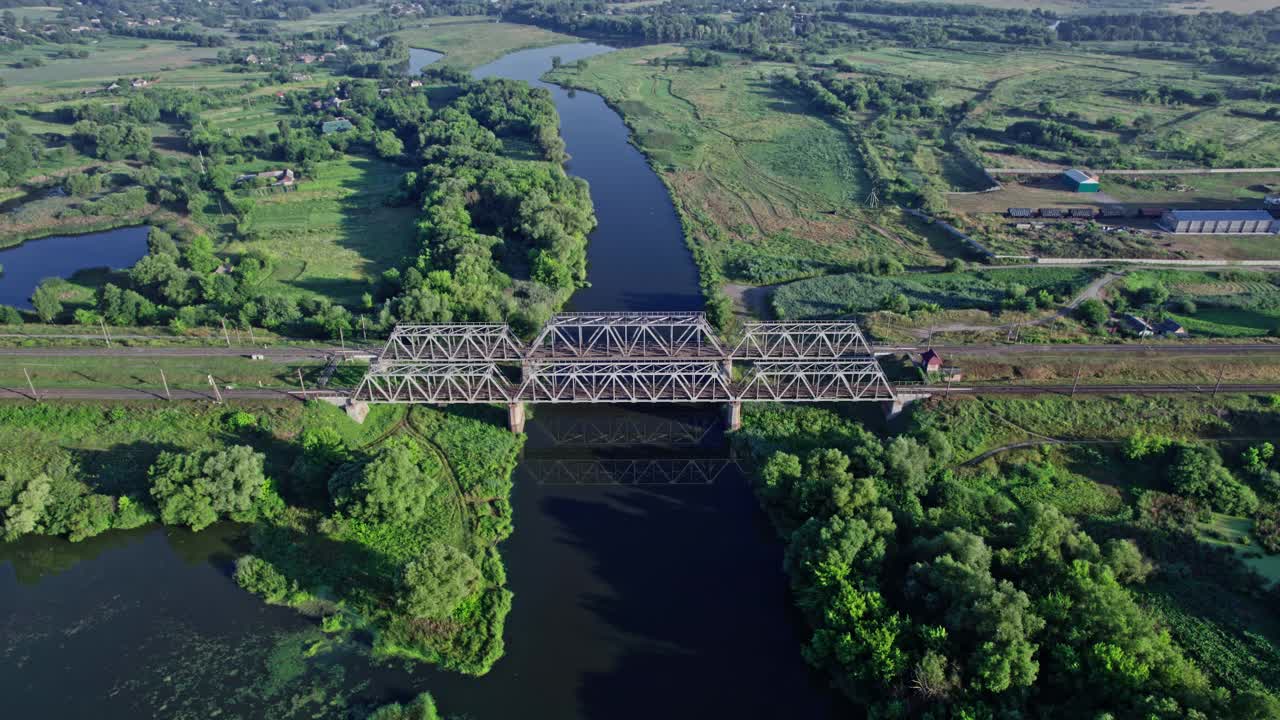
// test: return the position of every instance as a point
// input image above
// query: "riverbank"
(338, 511)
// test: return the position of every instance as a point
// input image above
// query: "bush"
(9, 315)
(395, 485)
(262, 578)
(198, 489)
(422, 707)
(433, 585)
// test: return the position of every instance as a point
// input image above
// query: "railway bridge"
(625, 358)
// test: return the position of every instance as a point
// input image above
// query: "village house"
(1138, 326)
(1169, 326)
(251, 59)
(306, 58)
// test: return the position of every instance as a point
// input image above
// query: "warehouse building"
(1081, 181)
(1218, 222)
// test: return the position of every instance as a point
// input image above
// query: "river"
(631, 601)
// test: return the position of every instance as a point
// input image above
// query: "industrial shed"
(1081, 181)
(1218, 222)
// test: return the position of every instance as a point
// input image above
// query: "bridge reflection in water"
(639, 446)
(625, 358)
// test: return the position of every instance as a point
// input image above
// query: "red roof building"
(930, 361)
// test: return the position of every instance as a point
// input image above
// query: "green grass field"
(334, 234)
(111, 59)
(762, 179)
(143, 374)
(472, 41)
(857, 293)
(1230, 303)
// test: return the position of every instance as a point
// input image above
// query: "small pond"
(25, 265)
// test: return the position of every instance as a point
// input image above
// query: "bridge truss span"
(816, 381)
(785, 340)
(665, 381)
(434, 382)
(625, 358)
(452, 342)
(617, 336)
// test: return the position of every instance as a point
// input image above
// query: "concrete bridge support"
(733, 415)
(515, 416)
(893, 408)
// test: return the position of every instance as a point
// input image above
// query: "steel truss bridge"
(625, 358)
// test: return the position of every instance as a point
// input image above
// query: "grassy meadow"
(110, 59)
(472, 41)
(761, 179)
(333, 234)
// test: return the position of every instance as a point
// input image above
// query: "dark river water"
(632, 600)
(27, 264)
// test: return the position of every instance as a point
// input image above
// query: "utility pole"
(225, 335)
(31, 385)
(1218, 384)
(363, 336)
(252, 339)
(216, 393)
(1076, 383)
(105, 336)
(164, 381)
(341, 340)
(302, 384)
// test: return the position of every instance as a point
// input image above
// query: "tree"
(28, 508)
(47, 300)
(387, 145)
(393, 486)
(1092, 312)
(9, 315)
(422, 707)
(196, 489)
(433, 585)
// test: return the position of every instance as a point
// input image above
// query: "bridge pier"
(515, 416)
(733, 415)
(893, 408)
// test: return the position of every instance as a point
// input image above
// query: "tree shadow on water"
(696, 612)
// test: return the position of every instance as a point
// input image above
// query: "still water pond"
(62, 256)
(631, 601)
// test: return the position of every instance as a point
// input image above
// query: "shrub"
(197, 489)
(433, 585)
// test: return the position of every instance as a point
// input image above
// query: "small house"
(306, 58)
(1021, 212)
(1138, 326)
(930, 361)
(251, 59)
(1051, 212)
(1168, 326)
(1081, 181)
(415, 83)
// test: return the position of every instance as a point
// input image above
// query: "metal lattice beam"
(433, 382)
(799, 340)
(626, 472)
(810, 380)
(615, 431)
(666, 381)
(453, 341)
(588, 336)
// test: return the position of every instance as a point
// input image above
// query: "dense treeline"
(933, 597)
(499, 238)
